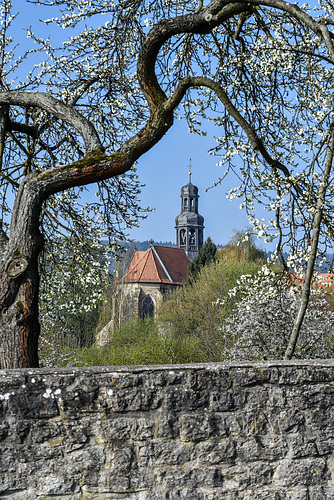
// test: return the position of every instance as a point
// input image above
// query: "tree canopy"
(261, 71)
(206, 254)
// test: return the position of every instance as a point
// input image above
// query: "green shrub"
(139, 342)
(193, 314)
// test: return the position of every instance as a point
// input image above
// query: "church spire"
(189, 168)
(189, 224)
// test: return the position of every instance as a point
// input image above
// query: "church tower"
(189, 224)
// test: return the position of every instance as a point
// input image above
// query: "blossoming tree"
(261, 70)
(260, 325)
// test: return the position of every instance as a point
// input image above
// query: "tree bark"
(19, 281)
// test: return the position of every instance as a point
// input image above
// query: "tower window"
(183, 237)
(191, 203)
(200, 238)
(192, 238)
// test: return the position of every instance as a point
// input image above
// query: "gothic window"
(148, 307)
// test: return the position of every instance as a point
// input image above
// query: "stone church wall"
(122, 312)
(215, 431)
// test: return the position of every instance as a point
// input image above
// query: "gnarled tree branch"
(201, 22)
(257, 143)
(57, 108)
(4, 110)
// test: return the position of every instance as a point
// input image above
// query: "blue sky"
(164, 169)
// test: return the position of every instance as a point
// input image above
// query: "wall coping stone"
(297, 363)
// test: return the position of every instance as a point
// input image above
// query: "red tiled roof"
(158, 265)
(319, 279)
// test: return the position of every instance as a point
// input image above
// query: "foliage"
(140, 342)
(260, 326)
(70, 298)
(193, 312)
(52, 354)
(243, 245)
(251, 321)
(205, 255)
(328, 294)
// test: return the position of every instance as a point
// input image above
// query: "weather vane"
(190, 167)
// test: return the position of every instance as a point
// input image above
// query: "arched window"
(148, 307)
(191, 203)
(183, 238)
(185, 203)
(192, 238)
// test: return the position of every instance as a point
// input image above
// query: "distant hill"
(143, 245)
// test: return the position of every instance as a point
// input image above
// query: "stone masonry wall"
(214, 431)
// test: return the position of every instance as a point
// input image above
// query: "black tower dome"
(189, 224)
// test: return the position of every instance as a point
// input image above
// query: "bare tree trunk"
(19, 281)
(314, 248)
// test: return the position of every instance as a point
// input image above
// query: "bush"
(52, 354)
(193, 313)
(139, 342)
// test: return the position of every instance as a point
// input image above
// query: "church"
(154, 272)
(159, 269)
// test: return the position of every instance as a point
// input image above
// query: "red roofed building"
(159, 269)
(319, 280)
(150, 275)
(164, 265)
